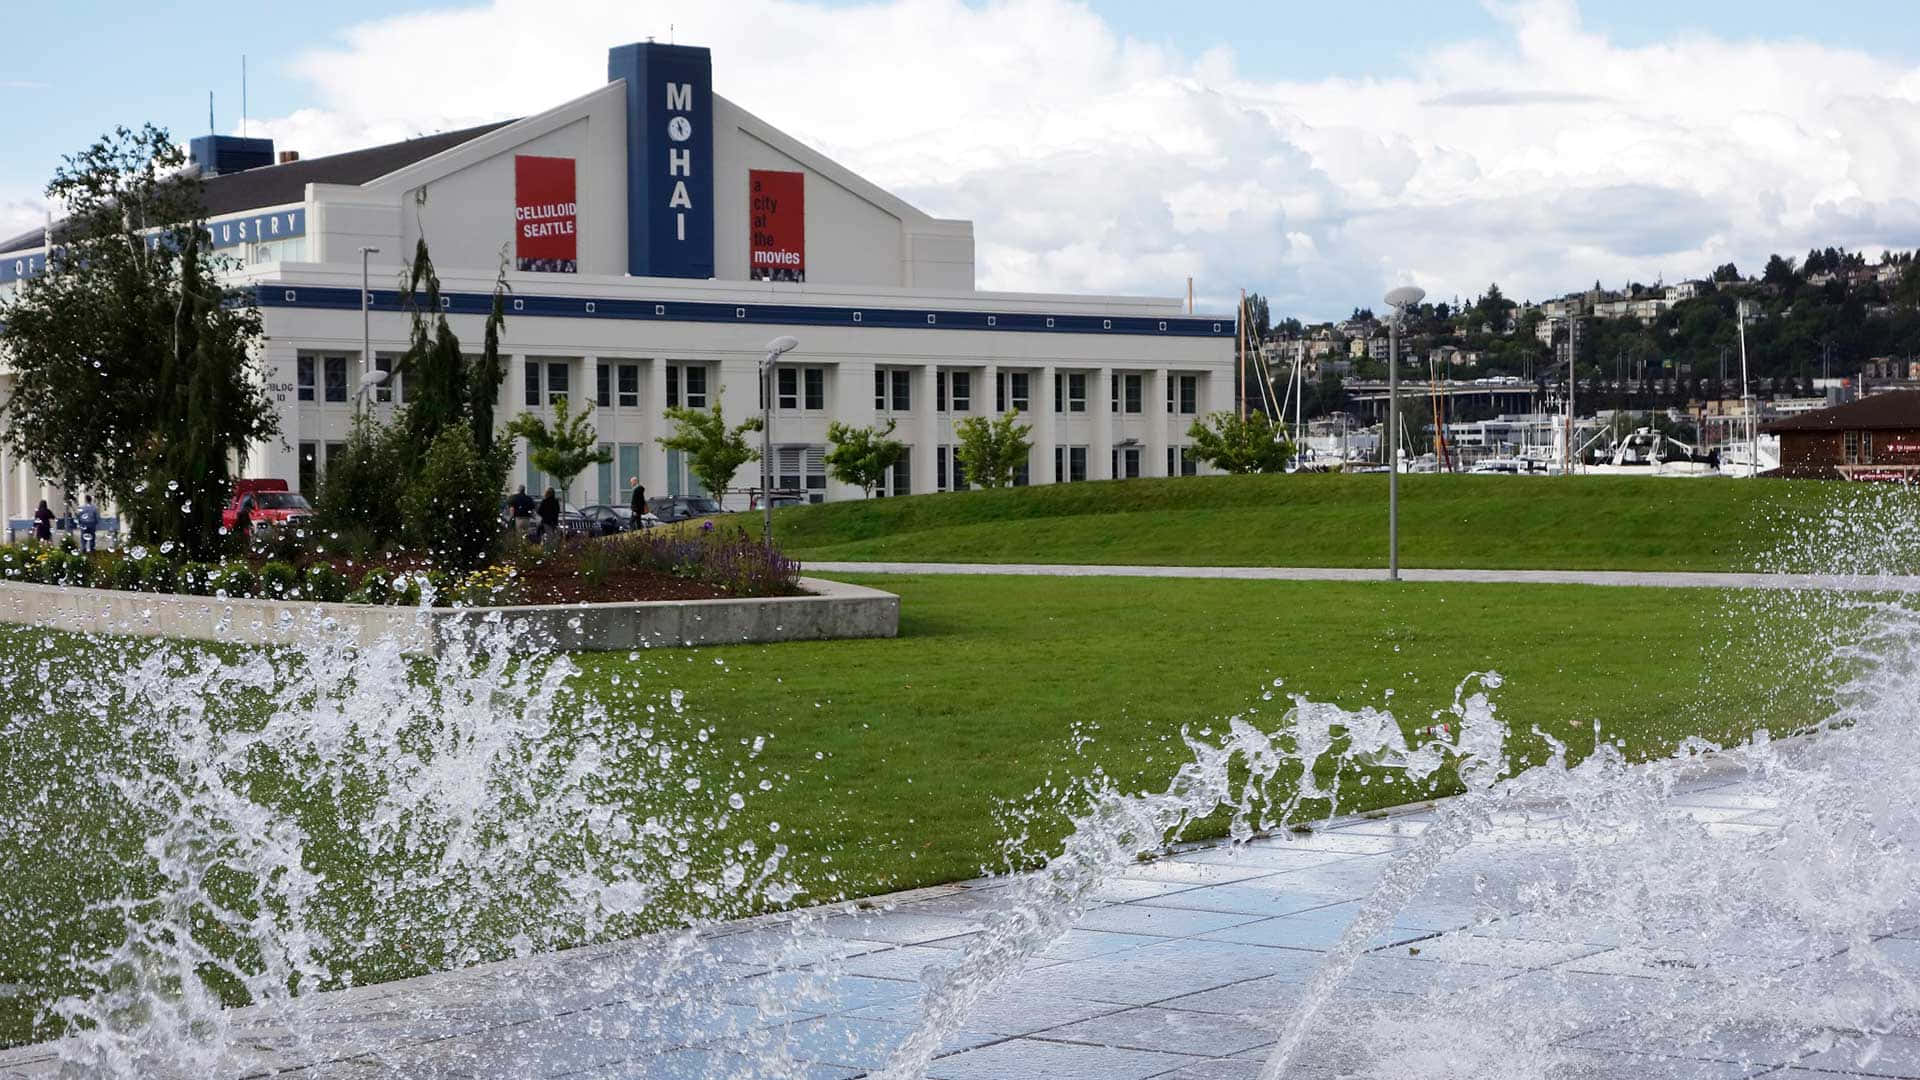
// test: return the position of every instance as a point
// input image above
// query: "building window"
(1077, 392)
(813, 382)
(1130, 393)
(1059, 401)
(1126, 462)
(787, 382)
(962, 397)
(603, 385)
(558, 373)
(1185, 391)
(1076, 464)
(335, 368)
(1059, 462)
(939, 391)
(533, 385)
(336, 451)
(687, 385)
(1017, 386)
(303, 377)
(384, 391)
(1113, 394)
(628, 386)
(893, 389)
(309, 467)
(803, 469)
(1023, 475)
(900, 480)
(949, 471)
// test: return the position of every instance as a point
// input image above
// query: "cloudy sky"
(1317, 153)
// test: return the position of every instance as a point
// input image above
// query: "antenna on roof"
(209, 112)
(243, 95)
(669, 33)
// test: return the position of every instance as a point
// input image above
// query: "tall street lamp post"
(775, 349)
(366, 335)
(1399, 300)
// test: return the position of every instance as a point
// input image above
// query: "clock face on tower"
(679, 129)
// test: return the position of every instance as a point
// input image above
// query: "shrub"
(490, 586)
(279, 580)
(326, 584)
(159, 574)
(452, 508)
(76, 570)
(195, 578)
(122, 573)
(13, 564)
(357, 494)
(233, 580)
(375, 587)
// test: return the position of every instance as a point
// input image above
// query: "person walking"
(89, 519)
(549, 515)
(520, 505)
(639, 502)
(43, 523)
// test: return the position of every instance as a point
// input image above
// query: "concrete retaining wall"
(830, 610)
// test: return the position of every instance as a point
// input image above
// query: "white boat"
(1647, 452)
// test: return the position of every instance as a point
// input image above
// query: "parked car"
(603, 519)
(672, 508)
(269, 505)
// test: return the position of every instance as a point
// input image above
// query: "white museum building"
(656, 238)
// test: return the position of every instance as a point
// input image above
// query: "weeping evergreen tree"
(434, 476)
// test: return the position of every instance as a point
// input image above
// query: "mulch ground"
(564, 585)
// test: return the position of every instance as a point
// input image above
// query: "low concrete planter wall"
(831, 610)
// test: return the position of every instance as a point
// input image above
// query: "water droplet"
(737, 801)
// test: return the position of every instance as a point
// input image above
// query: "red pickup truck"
(268, 503)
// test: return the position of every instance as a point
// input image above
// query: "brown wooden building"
(1875, 438)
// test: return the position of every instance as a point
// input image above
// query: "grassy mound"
(1491, 522)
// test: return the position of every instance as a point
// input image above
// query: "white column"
(926, 430)
(986, 396)
(1155, 408)
(1100, 399)
(852, 404)
(735, 385)
(653, 426)
(1045, 425)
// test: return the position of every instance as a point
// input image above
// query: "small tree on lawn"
(563, 449)
(861, 456)
(714, 452)
(993, 450)
(1231, 444)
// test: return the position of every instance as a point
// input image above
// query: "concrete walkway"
(1174, 973)
(1635, 578)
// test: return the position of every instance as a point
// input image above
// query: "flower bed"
(700, 565)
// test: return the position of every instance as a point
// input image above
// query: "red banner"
(544, 215)
(776, 225)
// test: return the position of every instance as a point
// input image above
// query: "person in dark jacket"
(521, 506)
(639, 502)
(43, 522)
(549, 515)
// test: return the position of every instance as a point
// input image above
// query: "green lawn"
(888, 763)
(1589, 523)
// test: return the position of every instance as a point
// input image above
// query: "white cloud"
(1544, 157)
(20, 211)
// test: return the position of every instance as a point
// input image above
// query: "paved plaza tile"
(1180, 968)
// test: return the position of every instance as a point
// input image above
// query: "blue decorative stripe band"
(881, 318)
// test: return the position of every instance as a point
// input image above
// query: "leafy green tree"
(1726, 272)
(1231, 444)
(565, 448)
(1779, 271)
(365, 483)
(993, 450)
(861, 456)
(714, 451)
(133, 367)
